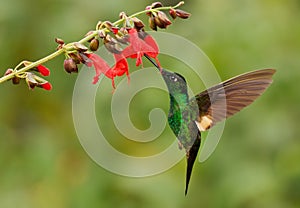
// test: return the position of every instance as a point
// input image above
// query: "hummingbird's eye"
(173, 78)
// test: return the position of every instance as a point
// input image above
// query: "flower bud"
(182, 14)
(108, 24)
(161, 20)
(15, 80)
(59, 41)
(99, 25)
(85, 60)
(156, 5)
(152, 23)
(101, 34)
(114, 30)
(122, 39)
(142, 34)
(172, 13)
(113, 47)
(35, 81)
(43, 70)
(148, 13)
(122, 15)
(123, 30)
(70, 65)
(109, 38)
(80, 47)
(76, 58)
(94, 44)
(30, 80)
(158, 23)
(138, 24)
(45, 85)
(8, 71)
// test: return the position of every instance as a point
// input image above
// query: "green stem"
(69, 46)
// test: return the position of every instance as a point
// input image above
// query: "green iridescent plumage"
(181, 118)
(188, 117)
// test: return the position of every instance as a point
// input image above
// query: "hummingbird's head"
(175, 82)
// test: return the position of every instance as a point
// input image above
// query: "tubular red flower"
(33, 81)
(121, 66)
(139, 47)
(46, 86)
(153, 54)
(99, 64)
(43, 70)
(119, 69)
(115, 30)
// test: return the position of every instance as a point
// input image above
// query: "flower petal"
(121, 66)
(138, 47)
(46, 86)
(119, 69)
(151, 42)
(100, 66)
(43, 70)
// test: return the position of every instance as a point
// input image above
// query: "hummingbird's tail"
(191, 156)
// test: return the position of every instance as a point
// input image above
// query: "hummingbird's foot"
(180, 146)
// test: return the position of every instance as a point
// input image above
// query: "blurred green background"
(256, 163)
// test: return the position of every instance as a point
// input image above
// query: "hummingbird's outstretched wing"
(227, 98)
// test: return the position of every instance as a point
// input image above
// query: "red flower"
(153, 54)
(119, 69)
(46, 86)
(33, 81)
(139, 47)
(115, 30)
(100, 66)
(121, 66)
(43, 70)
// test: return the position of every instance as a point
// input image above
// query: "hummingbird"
(188, 117)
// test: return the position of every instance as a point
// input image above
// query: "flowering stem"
(69, 47)
(30, 66)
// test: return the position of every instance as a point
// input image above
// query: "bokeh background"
(256, 163)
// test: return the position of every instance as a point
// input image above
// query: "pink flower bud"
(8, 71)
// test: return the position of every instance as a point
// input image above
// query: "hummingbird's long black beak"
(154, 63)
